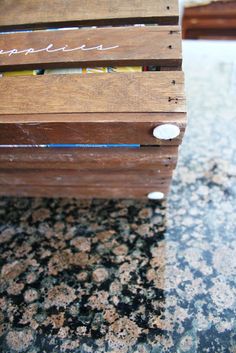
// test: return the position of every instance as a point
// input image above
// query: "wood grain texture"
(148, 158)
(118, 92)
(44, 13)
(127, 128)
(81, 192)
(93, 177)
(89, 109)
(160, 46)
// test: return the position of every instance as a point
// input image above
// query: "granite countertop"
(134, 276)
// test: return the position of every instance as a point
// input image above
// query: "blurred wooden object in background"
(216, 20)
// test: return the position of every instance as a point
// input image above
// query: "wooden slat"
(43, 13)
(118, 92)
(89, 158)
(84, 178)
(160, 46)
(80, 192)
(126, 128)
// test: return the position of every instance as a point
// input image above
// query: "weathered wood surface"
(119, 46)
(126, 128)
(118, 92)
(44, 13)
(79, 178)
(81, 192)
(148, 158)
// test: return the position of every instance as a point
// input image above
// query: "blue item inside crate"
(74, 145)
(93, 145)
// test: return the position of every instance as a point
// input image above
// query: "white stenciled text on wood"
(51, 49)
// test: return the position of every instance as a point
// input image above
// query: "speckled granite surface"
(129, 276)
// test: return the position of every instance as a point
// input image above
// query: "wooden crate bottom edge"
(82, 192)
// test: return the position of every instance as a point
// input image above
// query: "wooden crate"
(127, 127)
